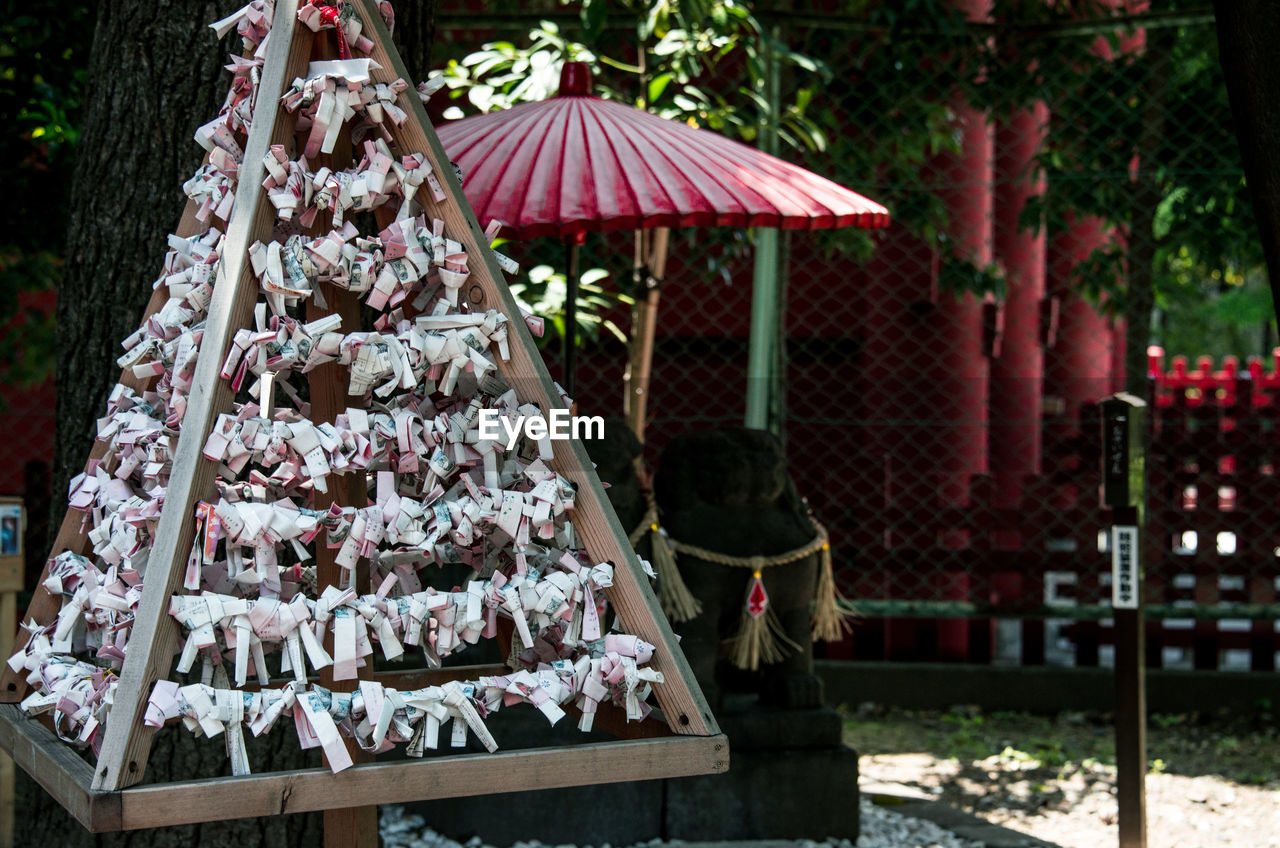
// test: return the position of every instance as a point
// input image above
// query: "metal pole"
(571, 316)
(764, 290)
(764, 317)
(1123, 474)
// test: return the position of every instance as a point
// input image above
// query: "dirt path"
(1214, 781)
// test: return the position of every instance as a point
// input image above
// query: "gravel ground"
(881, 828)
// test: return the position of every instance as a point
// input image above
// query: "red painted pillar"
(1017, 371)
(1017, 365)
(959, 358)
(1086, 362)
(923, 389)
(962, 360)
(1079, 365)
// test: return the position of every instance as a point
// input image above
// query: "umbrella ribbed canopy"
(575, 163)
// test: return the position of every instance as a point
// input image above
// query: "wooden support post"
(1124, 466)
(13, 522)
(344, 827)
(127, 743)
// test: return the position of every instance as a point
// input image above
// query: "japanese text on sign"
(1124, 568)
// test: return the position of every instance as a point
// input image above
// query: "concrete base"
(780, 794)
(789, 778)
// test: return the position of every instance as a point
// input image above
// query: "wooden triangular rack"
(105, 797)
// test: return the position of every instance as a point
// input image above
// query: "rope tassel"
(677, 601)
(760, 638)
(830, 619)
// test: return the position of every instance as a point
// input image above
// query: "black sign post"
(1123, 478)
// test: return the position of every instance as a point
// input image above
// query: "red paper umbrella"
(574, 163)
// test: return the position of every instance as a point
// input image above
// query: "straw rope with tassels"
(677, 601)
(760, 636)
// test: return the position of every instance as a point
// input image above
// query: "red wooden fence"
(936, 577)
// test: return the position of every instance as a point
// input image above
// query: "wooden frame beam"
(452, 776)
(65, 776)
(127, 743)
(58, 768)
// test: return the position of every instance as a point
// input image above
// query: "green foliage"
(892, 121)
(701, 62)
(1158, 116)
(543, 292)
(42, 58)
(679, 60)
(501, 74)
(1201, 312)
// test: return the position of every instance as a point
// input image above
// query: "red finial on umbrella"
(575, 80)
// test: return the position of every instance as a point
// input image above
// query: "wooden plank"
(57, 768)
(8, 623)
(45, 607)
(343, 826)
(455, 776)
(420, 678)
(604, 537)
(123, 759)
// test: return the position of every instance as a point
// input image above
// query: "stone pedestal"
(789, 778)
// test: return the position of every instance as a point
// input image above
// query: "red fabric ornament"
(757, 597)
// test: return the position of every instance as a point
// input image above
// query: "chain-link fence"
(1053, 182)
(935, 383)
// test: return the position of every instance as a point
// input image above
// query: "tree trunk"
(1248, 31)
(414, 34)
(155, 75)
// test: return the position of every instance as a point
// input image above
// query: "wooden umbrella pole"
(644, 328)
(630, 377)
(571, 316)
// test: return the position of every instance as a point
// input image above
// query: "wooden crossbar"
(67, 778)
(416, 780)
